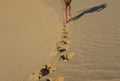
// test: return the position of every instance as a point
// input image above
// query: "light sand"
(95, 42)
(28, 34)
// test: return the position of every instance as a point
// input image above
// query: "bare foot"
(69, 18)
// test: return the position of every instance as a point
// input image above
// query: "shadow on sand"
(90, 10)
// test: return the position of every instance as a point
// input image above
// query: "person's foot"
(69, 18)
(65, 21)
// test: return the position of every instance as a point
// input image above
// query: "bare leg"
(64, 9)
(69, 9)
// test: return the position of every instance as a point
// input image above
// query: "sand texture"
(28, 33)
(36, 46)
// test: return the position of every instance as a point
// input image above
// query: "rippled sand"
(95, 42)
(29, 34)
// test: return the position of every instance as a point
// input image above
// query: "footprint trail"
(61, 54)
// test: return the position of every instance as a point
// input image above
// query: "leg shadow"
(90, 10)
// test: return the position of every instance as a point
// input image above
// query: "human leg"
(64, 9)
(69, 9)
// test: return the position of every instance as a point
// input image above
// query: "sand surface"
(95, 41)
(28, 33)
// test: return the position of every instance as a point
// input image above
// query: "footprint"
(67, 40)
(39, 73)
(66, 32)
(62, 48)
(47, 69)
(66, 36)
(51, 68)
(66, 56)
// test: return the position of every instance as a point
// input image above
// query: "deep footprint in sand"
(66, 36)
(47, 69)
(67, 40)
(66, 32)
(62, 48)
(66, 57)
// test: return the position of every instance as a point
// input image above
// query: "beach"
(31, 32)
(28, 34)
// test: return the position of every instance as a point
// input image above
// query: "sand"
(29, 34)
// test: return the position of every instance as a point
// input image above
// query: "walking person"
(66, 10)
